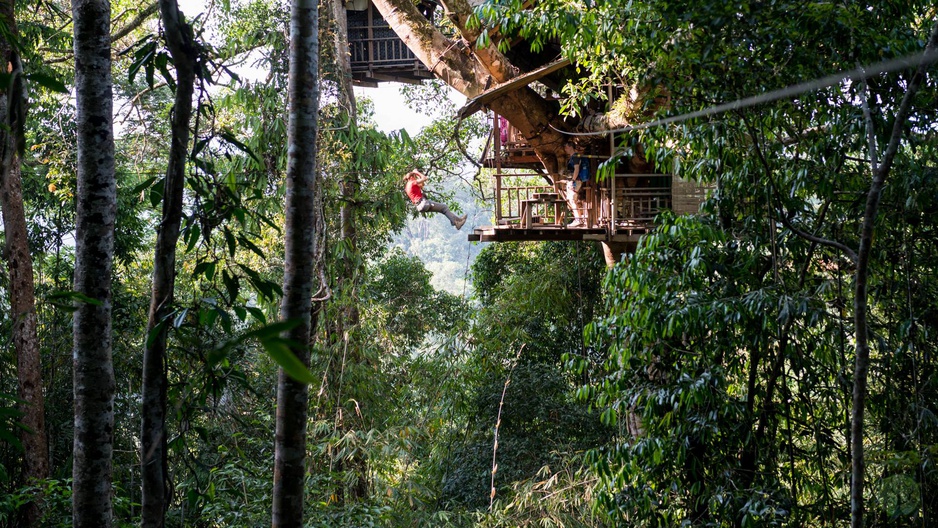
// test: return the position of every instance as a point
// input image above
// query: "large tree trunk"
(20, 264)
(153, 462)
(94, 249)
(25, 338)
(472, 73)
(303, 223)
(861, 278)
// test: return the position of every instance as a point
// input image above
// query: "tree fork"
(472, 72)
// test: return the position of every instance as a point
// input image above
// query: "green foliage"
(410, 309)
(729, 337)
(715, 375)
(532, 297)
(539, 294)
(10, 427)
(697, 333)
(724, 380)
(56, 498)
(561, 498)
(713, 52)
(372, 162)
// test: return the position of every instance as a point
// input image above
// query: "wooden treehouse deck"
(620, 208)
(528, 205)
(617, 210)
(377, 53)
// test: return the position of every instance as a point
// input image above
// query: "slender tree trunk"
(92, 365)
(303, 222)
(348, 282)
(153, 459)
(861, 279)
(20, 264)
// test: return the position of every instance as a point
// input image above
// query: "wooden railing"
(512, 191)
(375, 48)
(630, 203)
(637, 199)
(380, 52)
(509, 147)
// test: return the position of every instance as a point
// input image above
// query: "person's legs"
(573, 202)
(436, 207)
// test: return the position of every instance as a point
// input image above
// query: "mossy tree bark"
(96, 199)
(303, 214)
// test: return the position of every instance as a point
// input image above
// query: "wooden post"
(612, 193)
(498, 168)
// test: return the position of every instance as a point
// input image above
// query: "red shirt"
(414, 192)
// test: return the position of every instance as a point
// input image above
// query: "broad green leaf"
(287, 360)
(72, 297)
(229, 137)
(47, 81)
(274, 329)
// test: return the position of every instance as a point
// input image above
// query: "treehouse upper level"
(377, 53)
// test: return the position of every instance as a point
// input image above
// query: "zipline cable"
(861, 73)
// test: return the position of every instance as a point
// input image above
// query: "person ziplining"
(413, 186)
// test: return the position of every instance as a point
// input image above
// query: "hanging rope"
(460, 146)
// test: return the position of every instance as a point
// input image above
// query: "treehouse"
(377, 53)
(525, 151)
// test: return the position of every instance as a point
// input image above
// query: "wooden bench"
(551, 202)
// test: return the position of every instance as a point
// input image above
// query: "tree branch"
(498, 66)
(141, 17)
(783, 216)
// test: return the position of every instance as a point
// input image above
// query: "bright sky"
(392, 112)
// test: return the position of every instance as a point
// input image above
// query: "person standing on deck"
(413, 186)
(578, 173)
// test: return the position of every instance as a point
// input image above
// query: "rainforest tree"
(94, 250)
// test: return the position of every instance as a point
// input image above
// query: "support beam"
(476, 103)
